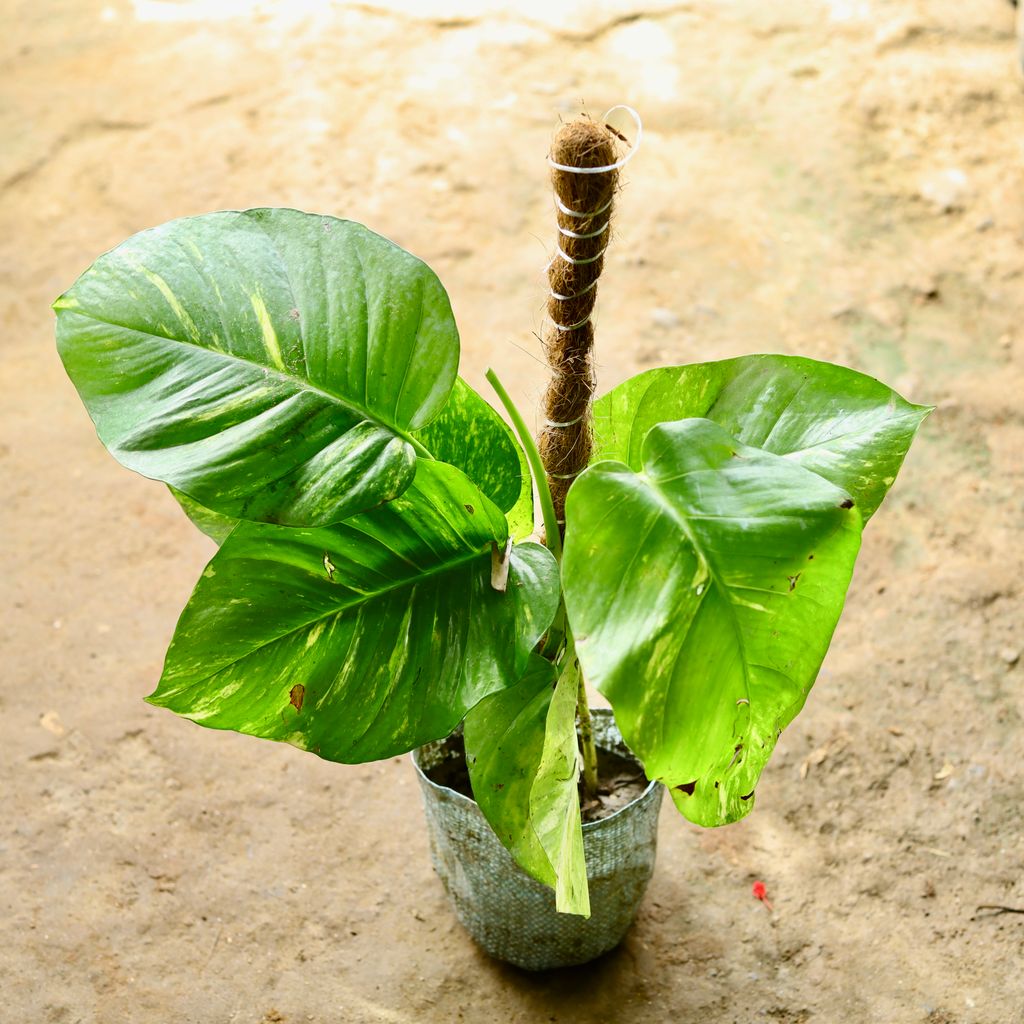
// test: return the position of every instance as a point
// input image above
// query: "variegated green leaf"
(469, 434)
(703, 592)
(215, 526)
(270, 364)
(843, 425)
(504, 736)
(364, 639)
(521, 749)
(555, 802)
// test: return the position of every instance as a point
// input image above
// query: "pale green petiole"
(553, 537)
(560, 631)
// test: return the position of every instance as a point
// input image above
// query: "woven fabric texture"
(511, 915)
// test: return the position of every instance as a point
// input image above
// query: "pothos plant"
(292, 378)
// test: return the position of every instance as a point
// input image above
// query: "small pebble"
(664, 318)
(1010, 655)
(51, 722)
(947, 189)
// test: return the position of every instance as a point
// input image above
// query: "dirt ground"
(841, 178)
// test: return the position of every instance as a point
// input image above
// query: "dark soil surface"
(838, 178)
(620, 780)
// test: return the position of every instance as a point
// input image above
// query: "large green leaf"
(521, 749)
(703, 593)
(504, 737)
(364, 639)
(555, 802)
(847, 427)
(213, 524)
(270, 364)
(469, 434)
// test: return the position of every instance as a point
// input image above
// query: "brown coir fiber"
(565, 441)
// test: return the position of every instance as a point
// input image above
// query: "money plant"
(293, 379)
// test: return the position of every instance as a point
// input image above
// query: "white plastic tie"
(584, 234)
(582, 216)
(567, 298)
(618, 163)
(579, 263)
(568, 327)
(567, 423)
(565, 476)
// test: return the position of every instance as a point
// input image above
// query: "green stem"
(552, 536)
(556, 634)
(560, 631)
(421, 449)
(586, 740)
(586, 735)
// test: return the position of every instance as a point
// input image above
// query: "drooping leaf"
(521, 750)
(270, 364)
(555, 802)
(469, 434)
(365, 639)
(214, 525)
(843, 425)
(504, 737)
(703, 593)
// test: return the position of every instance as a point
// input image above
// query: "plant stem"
(552, 537)
(422, 450)
(587, 746)
(588, 749)
(560, 633)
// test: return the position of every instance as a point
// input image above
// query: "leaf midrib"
(680, 518)
(362, 600)
(842, 437)
(300, 383)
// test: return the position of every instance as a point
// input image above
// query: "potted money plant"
(378, 587)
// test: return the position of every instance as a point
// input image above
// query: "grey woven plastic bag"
(512, 916)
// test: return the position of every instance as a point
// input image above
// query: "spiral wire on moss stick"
(584, 175)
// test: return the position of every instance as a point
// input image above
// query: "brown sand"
(838, 178)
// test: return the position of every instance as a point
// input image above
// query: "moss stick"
(584, 203)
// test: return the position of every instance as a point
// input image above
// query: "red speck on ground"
(760, 891)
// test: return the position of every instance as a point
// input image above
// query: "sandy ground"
(842, 179)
